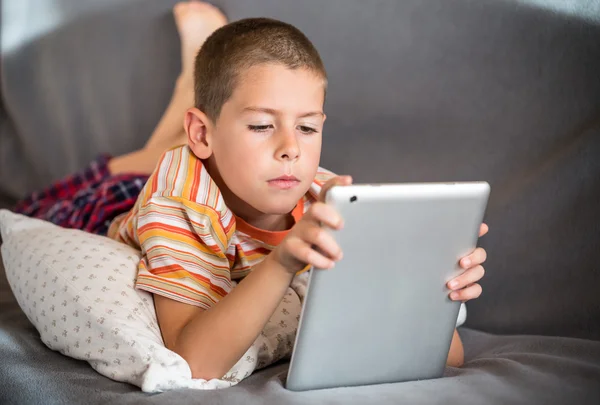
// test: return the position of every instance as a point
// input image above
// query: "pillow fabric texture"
(78, 291)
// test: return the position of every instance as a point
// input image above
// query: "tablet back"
(383, 313)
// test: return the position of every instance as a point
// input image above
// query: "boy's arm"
(213, 340)
(456, 355)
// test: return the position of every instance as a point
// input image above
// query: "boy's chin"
(280, 206)
(279, 209)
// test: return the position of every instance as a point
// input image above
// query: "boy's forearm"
(215, 339)
(456, 355)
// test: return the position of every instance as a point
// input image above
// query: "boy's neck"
(257, 219)
(273, 223)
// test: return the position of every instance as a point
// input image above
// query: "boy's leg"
(89, 199)
(141, 161)
(195, 22)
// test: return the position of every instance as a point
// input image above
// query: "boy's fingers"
(336, 181)
(323, 241)
(483, 229)
(306, 254)
(469, 293)
(478, 256)
(470, 276)
(322, 213)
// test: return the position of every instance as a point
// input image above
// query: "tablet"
(383, 314)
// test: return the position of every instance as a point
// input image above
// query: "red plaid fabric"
(88, 200)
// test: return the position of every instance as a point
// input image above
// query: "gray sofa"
(506, 91)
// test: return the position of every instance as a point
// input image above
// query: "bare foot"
(195, 22)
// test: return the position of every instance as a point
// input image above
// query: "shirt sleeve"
(462, 315)
(184, 250)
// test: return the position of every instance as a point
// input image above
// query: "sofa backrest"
(444, 90)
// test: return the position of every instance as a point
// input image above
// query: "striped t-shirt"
(194, 248)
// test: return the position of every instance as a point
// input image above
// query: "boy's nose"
(289, 148)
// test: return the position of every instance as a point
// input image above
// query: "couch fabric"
(506, 91)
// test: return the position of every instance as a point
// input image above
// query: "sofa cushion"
(506, 91)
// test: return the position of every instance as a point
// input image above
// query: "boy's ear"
(198, 128)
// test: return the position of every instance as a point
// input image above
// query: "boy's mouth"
(284, 182)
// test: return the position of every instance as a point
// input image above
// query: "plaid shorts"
(88, 200)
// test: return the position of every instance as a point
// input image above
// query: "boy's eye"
(307, 130)
(259, 128)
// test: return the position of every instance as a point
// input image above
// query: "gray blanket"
(499, 370)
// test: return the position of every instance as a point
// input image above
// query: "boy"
(243, 199)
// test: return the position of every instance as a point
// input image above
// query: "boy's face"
(266, 143)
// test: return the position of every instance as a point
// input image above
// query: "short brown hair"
(241, 45)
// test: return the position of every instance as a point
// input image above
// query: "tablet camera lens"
(353, 199)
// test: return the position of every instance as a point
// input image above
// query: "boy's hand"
(308, 243)
(465, 287)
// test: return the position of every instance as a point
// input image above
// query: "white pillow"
(77, 290)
